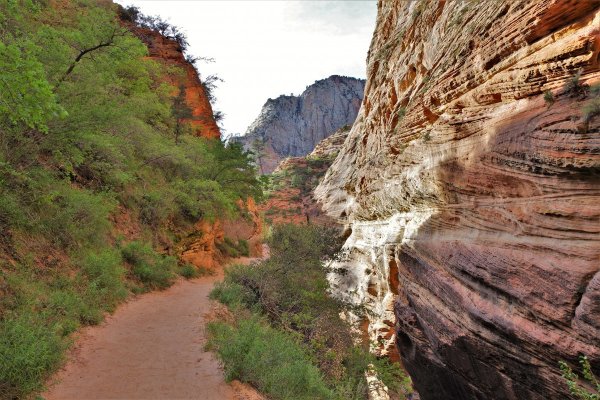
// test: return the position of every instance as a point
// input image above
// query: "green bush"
(105, 273)
(29, 351)
(270, 360)
(549, 97)
(231, 249)
(152, 269)
(188, 271)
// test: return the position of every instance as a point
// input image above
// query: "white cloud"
(267, 48)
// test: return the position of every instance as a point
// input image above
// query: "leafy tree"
(181, 112)
(26, 96)
(258, 149)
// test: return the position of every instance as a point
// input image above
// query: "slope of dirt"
(151, 348)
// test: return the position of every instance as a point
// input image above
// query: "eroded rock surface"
(293, 125)
(473, 203)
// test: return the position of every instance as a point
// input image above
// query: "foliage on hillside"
(289, 339)
(88, 147)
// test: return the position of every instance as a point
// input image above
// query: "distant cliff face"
(166, 50)
(293, 125)
(470, 184)
(290, 197)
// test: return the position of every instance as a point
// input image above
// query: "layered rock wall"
(473, 204)
(293, 125)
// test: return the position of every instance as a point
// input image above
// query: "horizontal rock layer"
(473, 204)
(293, 125)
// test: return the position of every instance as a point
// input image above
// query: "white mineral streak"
(362, 275)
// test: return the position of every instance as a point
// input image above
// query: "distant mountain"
(293, 125)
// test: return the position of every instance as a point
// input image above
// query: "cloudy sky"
(263, 49)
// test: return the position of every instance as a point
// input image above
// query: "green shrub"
(549, 97)
(591, 109)
(105, 273)
(152, 269)
(574, 384)
(269, 359)
(290, 290)
(575, 88)
(231, 249)
(188, 271)
(29, 351)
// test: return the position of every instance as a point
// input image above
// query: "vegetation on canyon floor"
(288, 338)
(96, 188)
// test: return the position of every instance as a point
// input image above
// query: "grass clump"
(232, 249)
(188, 271)
(271, 360)
(28, 350)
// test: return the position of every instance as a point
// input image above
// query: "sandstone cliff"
(473, 203)
(293, 125)
(168, 51)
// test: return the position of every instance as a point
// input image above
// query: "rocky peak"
(293, 125)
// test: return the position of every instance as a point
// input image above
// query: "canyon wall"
(293, 125)
(470, 186)
(185, 77)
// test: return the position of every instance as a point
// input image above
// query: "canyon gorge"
(462, 177)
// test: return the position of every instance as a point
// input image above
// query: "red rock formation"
(168, 51)
(201, 248)
(291, 199)
(484, 197)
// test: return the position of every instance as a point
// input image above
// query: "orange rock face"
(201, 248)
(249, 227)
(168, 51)
(202, 252)
(485, 196)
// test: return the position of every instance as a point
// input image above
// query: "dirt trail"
(151, 348)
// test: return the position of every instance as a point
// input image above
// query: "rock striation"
(293, 125)
(470, 186)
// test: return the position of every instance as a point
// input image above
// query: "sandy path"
(150, 348)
